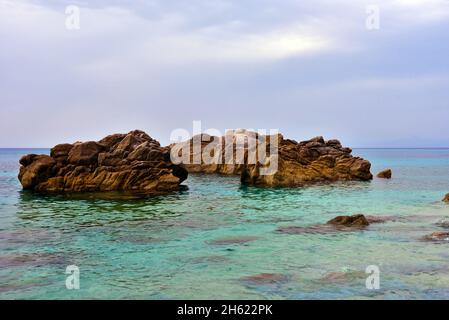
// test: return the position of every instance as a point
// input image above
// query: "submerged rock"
(358, 220)
(265, 278)
(315, 229)
(385, 174)
(119, 162)
(271, 160)
(338, 224)
(437, 236)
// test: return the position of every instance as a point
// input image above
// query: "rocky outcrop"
(310, 161)
(119, 162)
(212, 154)
(285, 163)
(385, 174)
(446, 198)
(357, 220)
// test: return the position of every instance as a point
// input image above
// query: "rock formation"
(119, 162)
(446, 198)
(357, 220)
(297, 164)
(224, 155)
(385, 174)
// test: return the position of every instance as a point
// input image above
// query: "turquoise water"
(212, 240)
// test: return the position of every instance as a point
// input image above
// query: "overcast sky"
(306, 68)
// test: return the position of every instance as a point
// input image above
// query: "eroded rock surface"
(118, 162)
(282, 162)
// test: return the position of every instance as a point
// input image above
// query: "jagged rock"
(85, 153)
(38, 169)
(385, 174)
(216, 154)
(306, 162)
(357, 220)
(446, 198)
(119, 162)
(315, 160)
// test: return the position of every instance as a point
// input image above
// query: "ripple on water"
(263, 279)
(232, 240)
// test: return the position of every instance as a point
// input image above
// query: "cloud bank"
(307, 68)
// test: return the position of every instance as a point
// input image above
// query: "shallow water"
(219, 240)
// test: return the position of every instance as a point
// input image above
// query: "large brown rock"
(358, 220)
(119, 162)
(85, 153)
(311, 161)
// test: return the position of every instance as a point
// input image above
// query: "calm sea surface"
(214, 240)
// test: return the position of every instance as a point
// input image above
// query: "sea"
(217, 239)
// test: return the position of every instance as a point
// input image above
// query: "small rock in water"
(446, 198)
(438, 236)
(357, 220)
(340, 223)
(385, 174)
(265, 278)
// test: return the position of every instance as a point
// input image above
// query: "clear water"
(203, 243)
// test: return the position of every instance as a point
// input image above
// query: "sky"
(306, 68)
